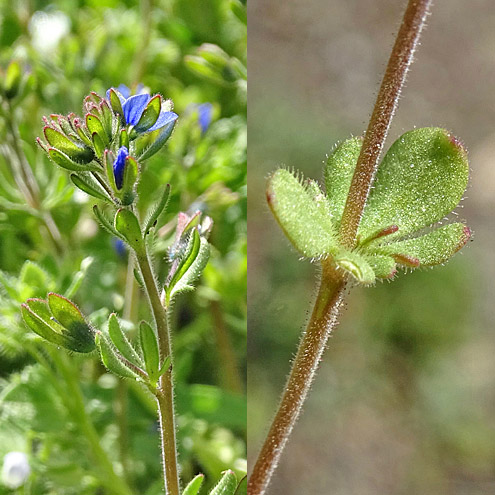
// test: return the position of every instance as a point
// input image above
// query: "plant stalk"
(314, 340)
(165, 390)
(385, 106)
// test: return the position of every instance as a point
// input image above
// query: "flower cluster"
(102, 150)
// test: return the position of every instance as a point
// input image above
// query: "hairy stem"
(165, 390)
(323, 320)
(386, 103)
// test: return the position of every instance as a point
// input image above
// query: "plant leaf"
(190, 269)
(302, 214)
(149, 346)
(110, 358)
(433, 248)
(422, 178)
(194, 485)
(87, 184)
(128, 225)
(120, 341)
(227, 484)
(158, 209)
(338, 175)
(71, 318)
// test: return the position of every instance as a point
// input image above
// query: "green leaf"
(239, 10)
(98, 144)
(108, 159)
(12, 79)
(62, 160)
(165, 365)
(94, 125)
(90, 186)
(194, 485)
(338, 175)
(159, 208)
(302, 214)
(196, 259)
(110, 358)
(382, 266)
(43, 328)
(124, 139)
(150, 114)
(433, 248)
(357, 265)
(128, 225)
(68, 315)
(149, 346)
(227, 484)
(104, 222)
(107, 118)
(120, 341)
(79, 154)
(150, 143)
(115, 103)
(421, 179)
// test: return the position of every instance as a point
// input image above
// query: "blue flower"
(134, 106)
(119, 166)
(204, 116)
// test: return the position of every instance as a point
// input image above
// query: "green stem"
(314, 340)
(165, 390)
(383, 112)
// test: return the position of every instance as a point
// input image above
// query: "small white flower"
(15, 469)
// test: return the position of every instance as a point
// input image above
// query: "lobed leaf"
(421, 179)
(433, 248)
(338, 172)
(302, 214)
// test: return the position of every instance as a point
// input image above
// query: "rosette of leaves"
(102, 150)
(420, 180)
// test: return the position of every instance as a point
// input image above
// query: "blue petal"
(163, 119)
(134, 107)
(119, 166)
(204, 116)
(124, 91)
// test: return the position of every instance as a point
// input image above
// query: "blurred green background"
(66, 49)
(404, 401)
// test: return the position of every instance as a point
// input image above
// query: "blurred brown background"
(404, 402)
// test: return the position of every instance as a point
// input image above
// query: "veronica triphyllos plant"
(105, 151)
